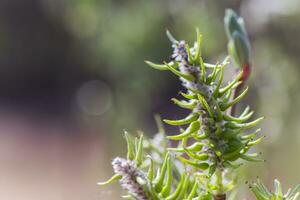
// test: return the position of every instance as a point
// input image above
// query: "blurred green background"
(72, 77)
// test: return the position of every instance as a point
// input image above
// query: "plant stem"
(220, 197)
(219, 182)
(246, 74)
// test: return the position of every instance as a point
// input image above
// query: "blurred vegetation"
(53, 47)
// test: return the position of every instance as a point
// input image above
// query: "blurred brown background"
(72, 78)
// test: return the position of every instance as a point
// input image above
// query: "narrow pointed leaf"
(205, 105)
(193, 127)
(160, 179)
(168, 184)
(244, 125)
(139, 154)
(130, 146)
(192, 117)
(171, 37)
(198, 50)
(193, 148)
(175, 194)
(185, 104)
(186, 76)
(234, 101)
(162, 67)
(113, 179)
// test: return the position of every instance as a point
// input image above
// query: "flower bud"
(233, 23)
(239, 48)
(238, 45)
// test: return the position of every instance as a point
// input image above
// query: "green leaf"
(251, 157)
(244, 125)
(113, 179)
(193, 127)
(205, 105)
(231, 85)
(192, 117)
(193, 191)
(139, 154)
(158, 182)
(198, 49)
(184, 104)
(177, 191)
(197, 146)
(168, 184)
(130, 146)
(234, 101)
(150, 174)
(171, 38)
(186, 76)
(162, 67)
(196, 164)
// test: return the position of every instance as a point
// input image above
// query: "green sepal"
(186, 76)
(251, 157)
(219, 83)
(234, 101)
(234, 125)
(238, 119)
(230, 165)
(184, 104)
(233, 155)
(203, 70)
(158, 182)
(184, 188)
(193, 148)
(168, 184)
(139, 152)
(245, 112)
(199, 41)
(188, 51)
(197, 156)
(159, 125)
(150, 174)
(162, 67)
(278, 190)
(213, 75)
(212, 169)
(113, 179)
(198, 165)
(205, 105)
(130, 146)
(193, 127)
(171, 37)
(201, 136)
(192, 117)
(293, 194)
(255, 142)
(175, 194)
(250, 136)
(231, 85)
(193, 191)
(188, 96)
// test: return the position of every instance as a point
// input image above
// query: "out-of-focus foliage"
(263, 193)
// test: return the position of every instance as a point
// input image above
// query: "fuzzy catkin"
(129, 172)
